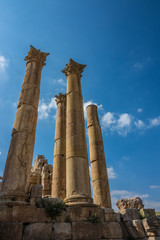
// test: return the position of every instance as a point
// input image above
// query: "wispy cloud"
(125, 123)
(111, 173)
(141, 64)
(139, 110)
(85, 104)
(3, 63)
(62, 82)
(120, 123)
(0, 153)
(152, 204)
(154, 187)
(45, 109)
(126, 158)
(154, 122)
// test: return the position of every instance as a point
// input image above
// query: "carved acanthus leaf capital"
(36, 55)
(73, 67)
(60, 98)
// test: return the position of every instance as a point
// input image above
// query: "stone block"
(130, 214)
(135, 202)
(11, 231)
(110, 217)
(38, 231)
(36, 191)
(135, 229)
(78, 214)
(62, 231)
(151, 226)
(112, 230)
(6, 214)
(84, 230)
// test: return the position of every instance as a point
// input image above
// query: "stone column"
(19, 160)
(77, 168)
(59, 165)
(100, 182)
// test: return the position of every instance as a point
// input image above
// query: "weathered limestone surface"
(100, 181)
(41, 174)
(19, 160)
(38, 231)
(77, 167)
(135, 202)
(59, 167)
(151, 226)
(130, 214)
(46, 179)
(135, 229)
(11, 231)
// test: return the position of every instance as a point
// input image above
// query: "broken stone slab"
(135, 229)
(38, 231)
(135, 202)
(130, 214)
(62, 231)
(151, 226)
(11, 231)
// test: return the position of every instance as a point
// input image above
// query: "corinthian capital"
(60, 98)
(73, 67)
(36, 55)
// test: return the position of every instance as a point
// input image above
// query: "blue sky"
(119, 42)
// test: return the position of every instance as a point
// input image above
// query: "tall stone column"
(100, 182)
(77, 168)
(59, 164)
(19, 160)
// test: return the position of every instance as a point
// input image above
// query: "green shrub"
(54, 210)
(93, 218)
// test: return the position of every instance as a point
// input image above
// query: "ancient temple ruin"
(45, 202)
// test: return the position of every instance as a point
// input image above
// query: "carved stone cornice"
(60, 98)
(36, 55)
(73, 67)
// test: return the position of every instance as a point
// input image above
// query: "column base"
(13, 198)
(78, 199)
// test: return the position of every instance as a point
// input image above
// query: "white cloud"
(108, 119)
(45, 109)
(0, 153)
(124, 120)
(139, 110)
(127, 194)
(154, 186)
(85, 104)
(62, 82)
(139, 124)
(152, 204)
(125, 123)
(111, 173)
(141, 65)
(3, 63)
(154, 122)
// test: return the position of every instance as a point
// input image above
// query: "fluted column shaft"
(77, 168)
(19, 160)
(100, 182)
(59, 164)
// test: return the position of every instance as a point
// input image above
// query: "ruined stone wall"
(41, 173)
